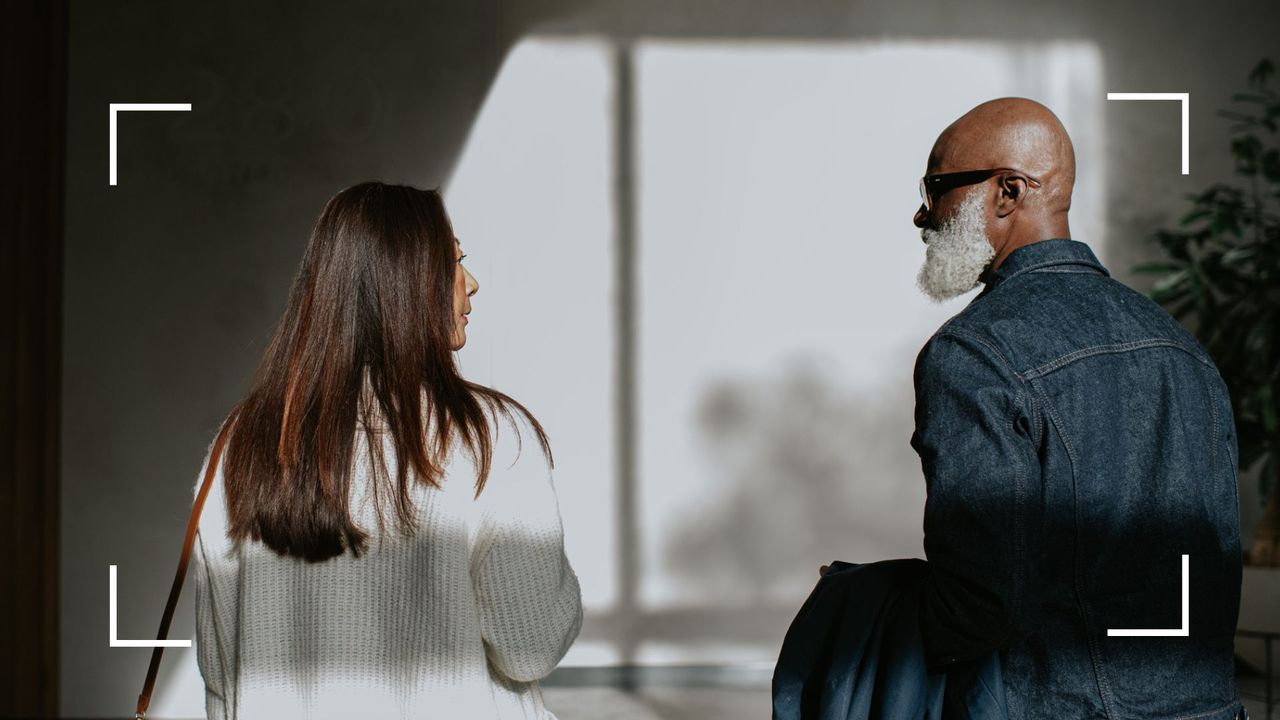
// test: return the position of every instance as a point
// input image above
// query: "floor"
(1253, 689)
(658, 703)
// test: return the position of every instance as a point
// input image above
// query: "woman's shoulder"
(214, 516)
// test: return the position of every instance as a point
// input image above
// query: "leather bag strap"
(187, 542)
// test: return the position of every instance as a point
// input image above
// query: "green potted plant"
(1221, 276)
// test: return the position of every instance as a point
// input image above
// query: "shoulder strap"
(187, 542)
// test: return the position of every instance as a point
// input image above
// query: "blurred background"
(691, 224)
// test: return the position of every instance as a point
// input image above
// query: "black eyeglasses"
(933, 187)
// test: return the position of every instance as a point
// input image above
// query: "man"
(1076, 442)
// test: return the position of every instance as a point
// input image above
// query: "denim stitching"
(1020, 396)
(1207, 713)
(1032, 377)
(1020, 498)
(1045, 369)
(1218, 436)
(966, 335)
(1116, 348)
(1019, 526)
(1020, 478)
(1036, 438)
(1095, 652)
(1213, 424)
(1051, 263)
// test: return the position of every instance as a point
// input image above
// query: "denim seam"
(966, 335)
(1219, 436)
(1214, 439)
(1021, 394)
(1050, 263)
(1233, 470)
(1024, 391)
(1063, 361)
(1213, 420)
(1207, 713)
(1037, 437)
(1019, 525)
(1095, 652)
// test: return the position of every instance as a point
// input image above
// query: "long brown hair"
(366, 341)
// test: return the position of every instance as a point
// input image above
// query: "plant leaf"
(1261, 73)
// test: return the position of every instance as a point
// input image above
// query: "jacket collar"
(1043, 254)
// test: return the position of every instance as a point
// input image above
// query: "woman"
(376, 545)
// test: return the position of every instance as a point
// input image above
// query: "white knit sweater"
(458, 621)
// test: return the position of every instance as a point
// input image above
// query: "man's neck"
(1044, 231)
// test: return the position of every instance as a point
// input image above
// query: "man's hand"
(822, 570)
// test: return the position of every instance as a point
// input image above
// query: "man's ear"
(1012, 190)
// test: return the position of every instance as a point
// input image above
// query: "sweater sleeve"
(530, 605)
(216, 576)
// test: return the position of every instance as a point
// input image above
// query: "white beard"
(957, 252)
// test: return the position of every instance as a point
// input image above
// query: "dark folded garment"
(854, 651)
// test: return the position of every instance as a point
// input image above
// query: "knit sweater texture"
(457, 619)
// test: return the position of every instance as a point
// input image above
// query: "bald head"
(1011, 133)
(1021, 135)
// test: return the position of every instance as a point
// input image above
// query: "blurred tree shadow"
(802, 472)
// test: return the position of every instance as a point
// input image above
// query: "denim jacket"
(1076, 441)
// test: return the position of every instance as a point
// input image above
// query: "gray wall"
(174, 279)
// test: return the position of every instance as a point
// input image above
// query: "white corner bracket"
(1185, 99)
(136, 643)
(1183, 631)
(115, 108)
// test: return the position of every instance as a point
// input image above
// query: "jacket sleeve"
(974, 438)
(216, 575)
(530, 605)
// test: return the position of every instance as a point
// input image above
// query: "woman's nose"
(473, 285)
